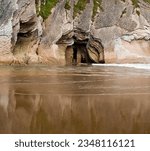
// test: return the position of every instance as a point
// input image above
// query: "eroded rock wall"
(20, 29)
(115, 31)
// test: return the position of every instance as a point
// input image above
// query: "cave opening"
(77, 54)
(82, 48)
(80, 54)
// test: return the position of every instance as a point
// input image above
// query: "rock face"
(74, 31)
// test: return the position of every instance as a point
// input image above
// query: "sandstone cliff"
(73, 31)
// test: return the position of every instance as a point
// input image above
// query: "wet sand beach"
(90, 99)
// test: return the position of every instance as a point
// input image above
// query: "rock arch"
(82, 47)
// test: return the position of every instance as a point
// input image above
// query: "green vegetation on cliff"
(136, 5)
(97, 5)
(148, 1)
(47, 5)
(80, 6)
(67, 5)
(135, 2)
(45, 9)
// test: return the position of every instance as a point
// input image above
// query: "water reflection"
(74, 100)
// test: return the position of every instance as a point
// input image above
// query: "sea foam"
(137, 66)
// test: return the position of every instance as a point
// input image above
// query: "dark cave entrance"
(80, 54)
(84, 50)
(77, 53)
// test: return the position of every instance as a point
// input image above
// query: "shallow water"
(93, 99)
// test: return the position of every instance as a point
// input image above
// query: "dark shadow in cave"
(77, 53)
(80, 54)
(85, 49)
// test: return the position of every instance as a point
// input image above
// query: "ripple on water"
(93, 99)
